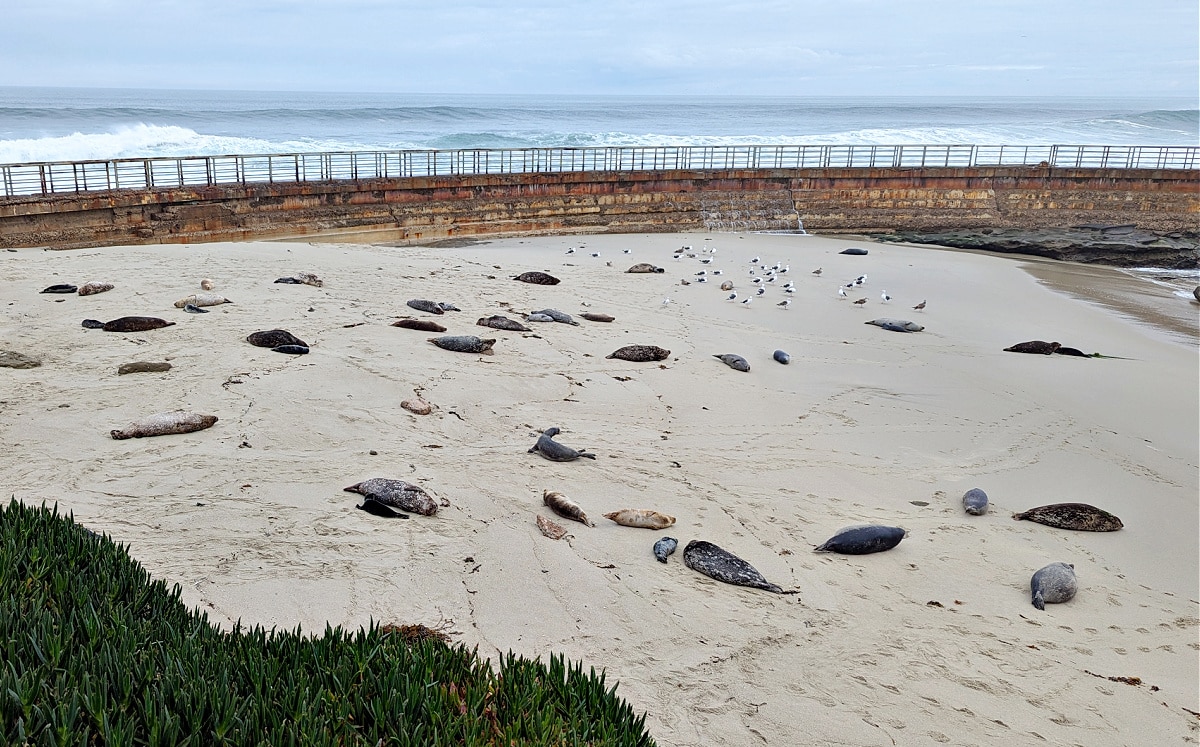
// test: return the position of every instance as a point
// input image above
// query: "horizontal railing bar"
(75, 177)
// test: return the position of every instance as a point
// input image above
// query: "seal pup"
(1078, 516)
(664, 547)
(194, 309)
(538, 318)
(464, 344)
(60, 288)
(975, 502)
(1053, 584)
(781, 357)
(1034, 346)
(202, 299)
(497, 321)
(397, 494)
(129, 324)
(862, 540)
(594, 317)
(641, 518)
(558, 316)
(448, 306)
(375, 508)
(722, 565)
(565, 507)
(273, 338)
(640, 353)
(641, 267)
(420, 304)
(553, 450)
(165, 424)
(736, 362)
(291, 349)
(537, 278)
(94, 287)
(207, 284)
(907, 325)
(425, 325)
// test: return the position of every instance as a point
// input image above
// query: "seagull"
(702, 273)
(595, 254)
(666, 301)
(860, 302)
(627, 251)
(685, 282)
(770, 278)
(761, 291)
(785, 303)
(817, 271)
(885, 297)
(775, 267)
(849, 285)
(747, 301)
(571, 250)
(757, 281)
(919, 306)
(860, 279)
(731, 296)
(751, 270)
(784, 269)
(842, 293)
(789, 290)
(788, 284)
(706, 260)
(716, 272)
(754, 261)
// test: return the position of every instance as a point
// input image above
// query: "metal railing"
(75, 177)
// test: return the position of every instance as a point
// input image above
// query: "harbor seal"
(664, 547)
(975, 502)
(855, 251)
(906, 325)
(640, 353)
(194, 309)
(736, 362)
(397, 494)
(288, 281)
(862, 540)
(1071, 351)
(641, 518)
(207, 284)
(464, 344)
(60, 288)
(1054, 584)
(309, 278)
(202, 299)
(1034, 346)
(425, 325)
(1078, 516)
(538, 318)
(782, 357)
(594, 317)
(557, 316)
(553, 450)
(565, 507)
(375, 508)
(94, 287)
(722, 565)
(143, 367)
(421, 304)
(129, 324)
(498, 321)
(291, 349)
(165, 424)
(537, 278)
(448, 306)
(273, 338)
(642, 267)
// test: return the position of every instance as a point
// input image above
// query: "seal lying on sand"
(497, 321)
(291, 349)
(128, 324)
(712, 561)
(538, 318)
(736, 362)
(854, 250)
(862, 540)
(553, 450)
(1053, 584)
(594, 317)
(664, 547)
(94, 287)
(975, 502)
(397, 494)
(565, 507)
(273, 338)
(1078, 516)
(464, 344)
(201, 299)
(425, 325)
(641, 518)
(906, 325)
(557, 316)
(1034, 346)
(375, 508)
(143, 367)
(421, 304)
(164, 424)
(60, 288)
(644, 267)
(640, 353)
(781, 357)
(537, 278)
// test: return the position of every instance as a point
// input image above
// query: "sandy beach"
(933, 642)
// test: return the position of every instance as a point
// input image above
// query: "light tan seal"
(201, 300)
(642, 518)
(164, 424)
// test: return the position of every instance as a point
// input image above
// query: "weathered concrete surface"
(422, 209)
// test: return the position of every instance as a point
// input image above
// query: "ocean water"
(57, 124)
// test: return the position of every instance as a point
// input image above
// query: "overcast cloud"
(789, 47)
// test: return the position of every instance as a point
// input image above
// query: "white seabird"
(761, 291)
(731, 296)
(747, 301)
(885, 297)
(757, 281)
(842, 293)
(754, 261)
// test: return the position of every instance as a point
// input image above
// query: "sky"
(681, 47)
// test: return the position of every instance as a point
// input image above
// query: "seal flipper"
(1038, 601)
(586, 455)
(93, 324)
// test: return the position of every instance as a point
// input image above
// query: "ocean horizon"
(69, 124)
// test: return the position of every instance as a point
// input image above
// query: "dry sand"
(933, 642)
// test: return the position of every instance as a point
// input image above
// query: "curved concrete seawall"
(421, 209)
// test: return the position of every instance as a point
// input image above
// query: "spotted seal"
(425, 325)
(464, 344)
(1034, 346)
(538, 318)
(904, 324)
(640, 353)
(782, 357)
(975, 502)
(1078, 516)
(1054, 584)
(94, 287)
(664, 547)
(61, 288)
(164, 424)
(272, 338)
(498, 321)
(537, 278)
(201, 299)
(736, 362)
(565, 507)
(557, 316)
(397, 494)
(421, 304)
(862, 540)
(553, 450)
(722, 565)
(641, 518)
(644, 267)
(129, 324)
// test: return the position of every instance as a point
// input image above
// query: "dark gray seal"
(425, 325)
(61, 288)
(464, 344)
(421, 304)
(375, 508)
(291, 349)
(554, 451)
(722, 565)
(907, 325)
(736, 362)
(894, 328)
(975, 502)
(782, 357)
(1034, 346)
(640, 353)
(497, 321)
(192, 308)
(448, 306)
(397, 494)
(557, 316)
(1071, 351)
(854, 250)
(664, 547)
(1053, 584)
(863, 540)
(273, 338)
(537, 278)
(129, 324)
(1081, 517)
